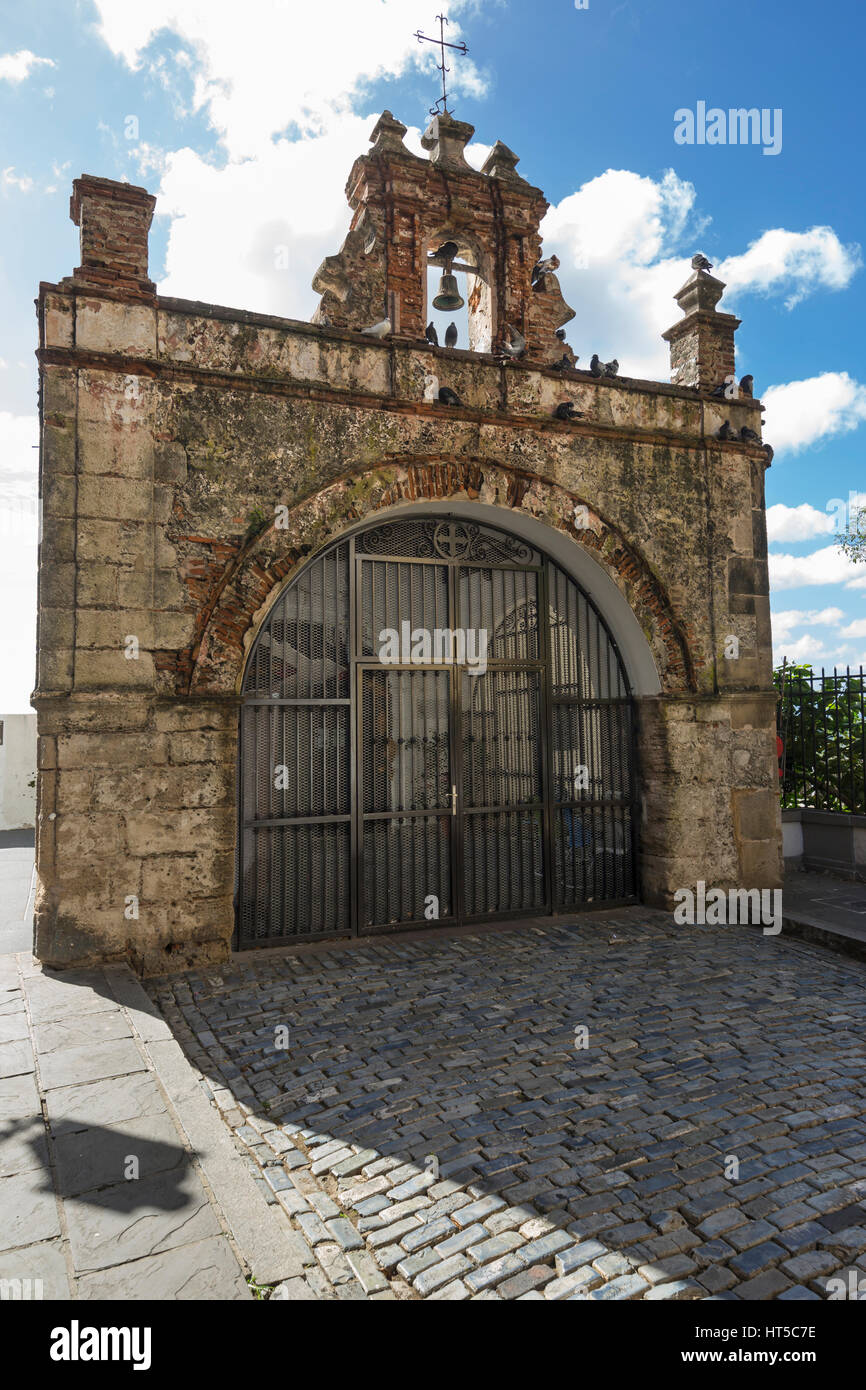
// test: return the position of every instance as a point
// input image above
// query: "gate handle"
(454, 799)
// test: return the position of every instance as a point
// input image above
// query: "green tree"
(853, 541)
(822, 721)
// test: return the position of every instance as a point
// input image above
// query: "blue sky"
(245, 121)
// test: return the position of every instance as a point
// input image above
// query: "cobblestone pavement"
(432, 1130)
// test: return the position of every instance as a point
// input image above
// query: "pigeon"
(726, 432)
(516, 344)
(565, 363)
(560, 333)
(747, 385)
(700, 262)
(748, 436)
(545, 268)
(566, 411)
(721, 392)
(611, 368)
(448, 251)
(448, 397)
(431, 335)
(595, 365)
(378, 330)
(451, 335)
(770, 452)
(324, 321)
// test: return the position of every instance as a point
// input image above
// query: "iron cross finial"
(443, 68)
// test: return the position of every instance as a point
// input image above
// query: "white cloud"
(15, 67)
(802, 412)
(615, 238)
(791, 263)
(806, 650)
(787, 619)
(826, 566)
(801, 523)
(9, 179)
(291, 66)
(855, 629)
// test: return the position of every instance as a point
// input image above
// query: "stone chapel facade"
(236, 505)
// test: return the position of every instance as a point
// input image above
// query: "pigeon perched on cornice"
(726, 432)
(748, 436)
(566, 411)
(560, 333)
(596, 366)
(565, 363)
(378, 330)
(546, 267)
(611, 368)
(723, 392)
(700, 262)
(747, 385)
(451, 335)
(431, 335)
(515, 345)
(448, 397)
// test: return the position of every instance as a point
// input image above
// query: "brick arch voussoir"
(249, 580)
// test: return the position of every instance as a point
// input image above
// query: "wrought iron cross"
(442, 44)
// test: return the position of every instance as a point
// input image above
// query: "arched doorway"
(436, 727)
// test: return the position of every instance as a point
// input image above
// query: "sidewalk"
(129, 1187)
(827, 910)
(17, 889)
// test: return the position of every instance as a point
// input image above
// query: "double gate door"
(415, 711)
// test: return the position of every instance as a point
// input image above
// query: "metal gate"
(437, 727)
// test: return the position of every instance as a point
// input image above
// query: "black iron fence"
(822, 726)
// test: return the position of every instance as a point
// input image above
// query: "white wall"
(18, 772)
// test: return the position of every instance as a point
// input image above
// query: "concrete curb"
(265, 1241)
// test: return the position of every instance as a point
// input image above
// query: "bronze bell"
(449, 294)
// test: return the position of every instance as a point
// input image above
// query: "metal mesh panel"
(593, 855)
(584, 662)
(501, 739)
(302, 653)
(405, 745)
(406, 862)
(299, 762)
(294, 882)
(393, 594)
(295, 783)
(503, 604)
(503, 857)
(591, 752)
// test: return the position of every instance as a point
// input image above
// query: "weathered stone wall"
(171, 435)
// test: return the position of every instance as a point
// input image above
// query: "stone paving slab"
(433, 1091)
(202, 1269)
(101, 1193)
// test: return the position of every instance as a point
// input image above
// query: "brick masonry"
(171, 432)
